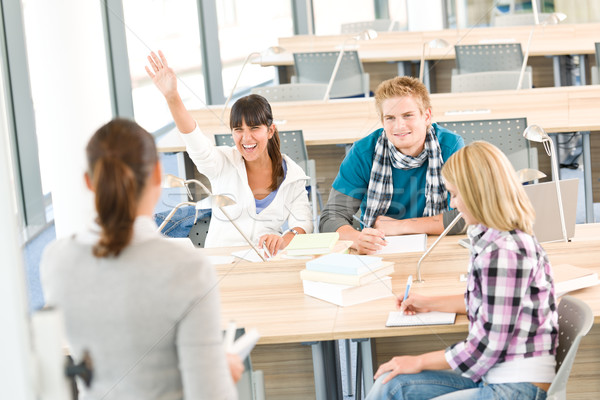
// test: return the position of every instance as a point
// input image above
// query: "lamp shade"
(535, 133)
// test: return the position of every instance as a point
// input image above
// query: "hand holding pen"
(369, 240)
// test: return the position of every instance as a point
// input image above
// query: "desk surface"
(547, 40)
(561, 109)
(269, 296)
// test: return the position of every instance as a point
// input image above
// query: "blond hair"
(402, 86)
(489, 187)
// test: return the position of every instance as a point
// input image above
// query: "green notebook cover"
(312, 243)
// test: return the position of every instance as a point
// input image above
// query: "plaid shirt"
(510, 303)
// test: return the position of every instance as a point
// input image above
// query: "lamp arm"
(334, 73)
(421, 64)
(164, 223)
(236, 82)
(241, 232)
(558, 193)
(197, 182)
(525, 58)
(454, 221)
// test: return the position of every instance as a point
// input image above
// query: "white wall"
(69, 81)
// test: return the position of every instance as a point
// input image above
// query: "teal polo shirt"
(408, 199)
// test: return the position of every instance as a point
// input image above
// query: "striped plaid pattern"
(510, 303)
(381, 187)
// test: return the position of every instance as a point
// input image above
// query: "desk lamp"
(432, 44)
(529, 174)
(552, 19)
(536, 133)
(454, 221)
(270, 50)
(369, 34)
(211, 201)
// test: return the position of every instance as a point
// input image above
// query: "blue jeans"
(449, 385)
(181, 222)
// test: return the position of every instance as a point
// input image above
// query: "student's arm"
(416, 303)
(337, 217)
(434, 225)
(434, 360)
(166, 81)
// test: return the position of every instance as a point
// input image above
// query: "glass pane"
(329, 19)
(246, 27)
(170, 26)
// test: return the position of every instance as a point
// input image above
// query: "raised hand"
(161, 74)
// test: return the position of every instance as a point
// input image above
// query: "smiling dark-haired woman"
(268, 187)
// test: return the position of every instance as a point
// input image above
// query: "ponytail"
(116, 204)
(274, 149)
(121, 156)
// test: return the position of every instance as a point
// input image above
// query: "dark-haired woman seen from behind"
(268, 187)
(146, 308)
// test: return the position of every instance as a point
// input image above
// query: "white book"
(397, 318)
(344, 295)
(568, 278)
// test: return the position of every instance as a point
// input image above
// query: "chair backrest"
(517, 19)
(488, 57)
(317, 67)
(575, 319)
(378, 25)
(199, 231)
(292, 144)
(489, 80)
(292, 91)
(506, 134)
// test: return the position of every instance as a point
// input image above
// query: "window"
(246, 27)
(170, 26)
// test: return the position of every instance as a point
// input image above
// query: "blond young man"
(393, 175)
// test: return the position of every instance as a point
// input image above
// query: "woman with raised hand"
(510, 349)
(268, 187)
(146, 308)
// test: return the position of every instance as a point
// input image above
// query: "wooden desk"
(269, 297)
(561, 109)
(401, 47)
(549, 40)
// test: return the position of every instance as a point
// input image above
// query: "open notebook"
(397, 318)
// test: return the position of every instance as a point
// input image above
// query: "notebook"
(397, 318)
(312, 243)
(547, 226)
(404, 244)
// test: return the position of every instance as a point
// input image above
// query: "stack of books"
(347, 279)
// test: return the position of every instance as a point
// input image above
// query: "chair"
(596, 69)
(292, 91)
(575, 319)
(317, 67)
(378, 25)
(292, 144)
(506, 134)
(489, 80)
(488, 57)
(199, 230)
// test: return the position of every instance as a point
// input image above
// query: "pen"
(266, 250)
(408, 285)
(360, 220)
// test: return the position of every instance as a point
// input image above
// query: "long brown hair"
(255, 110)
(121, 156)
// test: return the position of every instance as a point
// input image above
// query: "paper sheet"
(404, 244)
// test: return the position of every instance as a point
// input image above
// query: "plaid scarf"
(381, 188)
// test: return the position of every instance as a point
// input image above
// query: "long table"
(560, 109)
(269, 297)
(549, 40)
